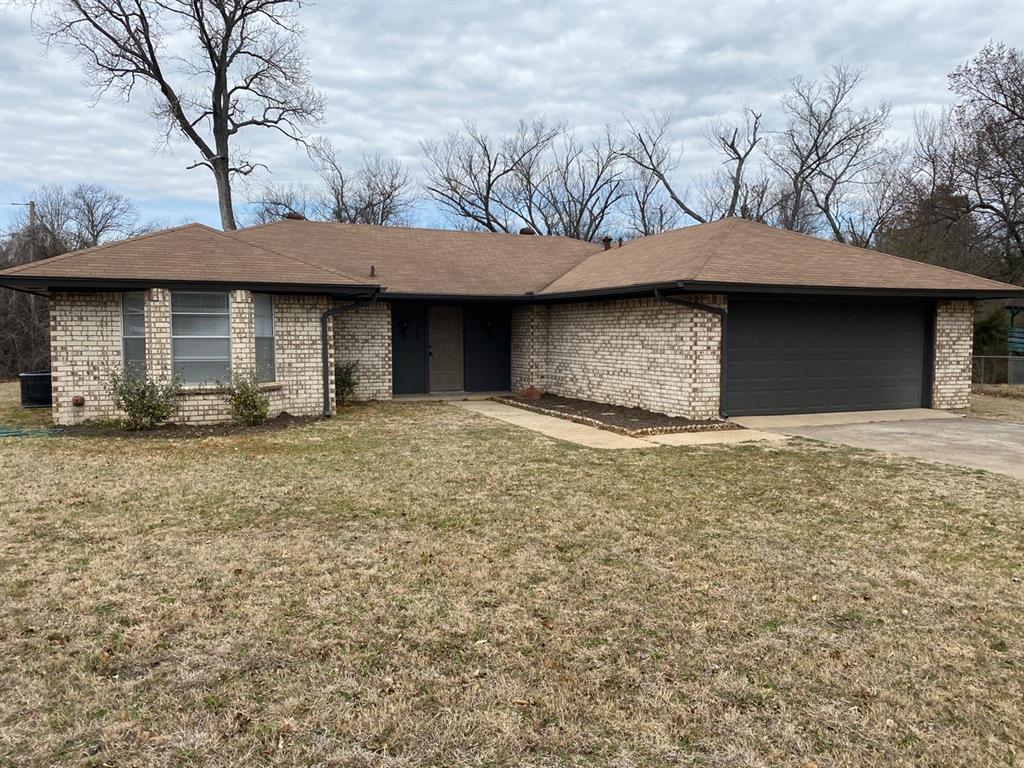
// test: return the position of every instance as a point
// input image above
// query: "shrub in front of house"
(249, 406)
(345, 381)
(145, 403)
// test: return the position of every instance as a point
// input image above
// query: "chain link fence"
(990, 369)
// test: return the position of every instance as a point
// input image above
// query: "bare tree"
(474, 177)
(824, 149)
(986, 151)
(380, 192)
(649, 210)
(580, 186)
(736, 142)
(100, 214)
(245, 53)
(963, 203)
(64, 220)
(541, 175)
(69, 219)
(876, 200)
(651, 150)
(728, 191)
(272, 201)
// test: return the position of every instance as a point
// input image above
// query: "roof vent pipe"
(373, 271)
(294, 216)
(607, 242)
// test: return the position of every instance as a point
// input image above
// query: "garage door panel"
(805, 356)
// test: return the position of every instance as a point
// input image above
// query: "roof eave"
(137, 284)
(835, 290)
(697, 286)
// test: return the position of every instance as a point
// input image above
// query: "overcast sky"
(395, 73)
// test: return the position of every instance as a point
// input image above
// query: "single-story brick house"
(727, 318)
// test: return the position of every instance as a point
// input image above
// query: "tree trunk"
(223, 177)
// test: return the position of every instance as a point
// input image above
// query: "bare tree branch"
(650, 149)
(246, 53)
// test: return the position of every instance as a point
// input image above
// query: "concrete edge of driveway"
(592, 437)
(837, 419)
(973, 444)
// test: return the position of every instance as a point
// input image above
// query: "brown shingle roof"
(741, 252)
(193, 252)
(732, 252)
(427, 261)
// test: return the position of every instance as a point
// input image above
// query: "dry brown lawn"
(1001, 402)
(13, 415)
(1002, 390)
(413, 584)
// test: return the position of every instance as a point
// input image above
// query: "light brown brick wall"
(158, 334)
(297, 347)
(529, 346)
(954, 344)
(86, 346)
(363, 336)
(242, 327)
(636, 352)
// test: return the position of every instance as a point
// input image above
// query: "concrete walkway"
(561, 429)
(592, 437)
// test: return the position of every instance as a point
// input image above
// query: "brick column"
(703, 347)
(158, 334)
(243, 335)
(529, 347)
(954, 344)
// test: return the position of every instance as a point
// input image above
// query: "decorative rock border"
(704, 426)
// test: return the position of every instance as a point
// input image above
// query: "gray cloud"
(397, 73)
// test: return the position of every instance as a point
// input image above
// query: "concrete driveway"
(995, 446)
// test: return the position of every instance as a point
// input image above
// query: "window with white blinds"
(200, 337)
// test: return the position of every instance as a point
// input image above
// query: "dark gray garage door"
(804, 356)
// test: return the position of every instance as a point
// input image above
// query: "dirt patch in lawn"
(635, 422)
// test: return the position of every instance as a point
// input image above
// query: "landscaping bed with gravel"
(635, 422)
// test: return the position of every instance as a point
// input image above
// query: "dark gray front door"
(446, 349)
(408, 348)
(488, 344)
(808, 356)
